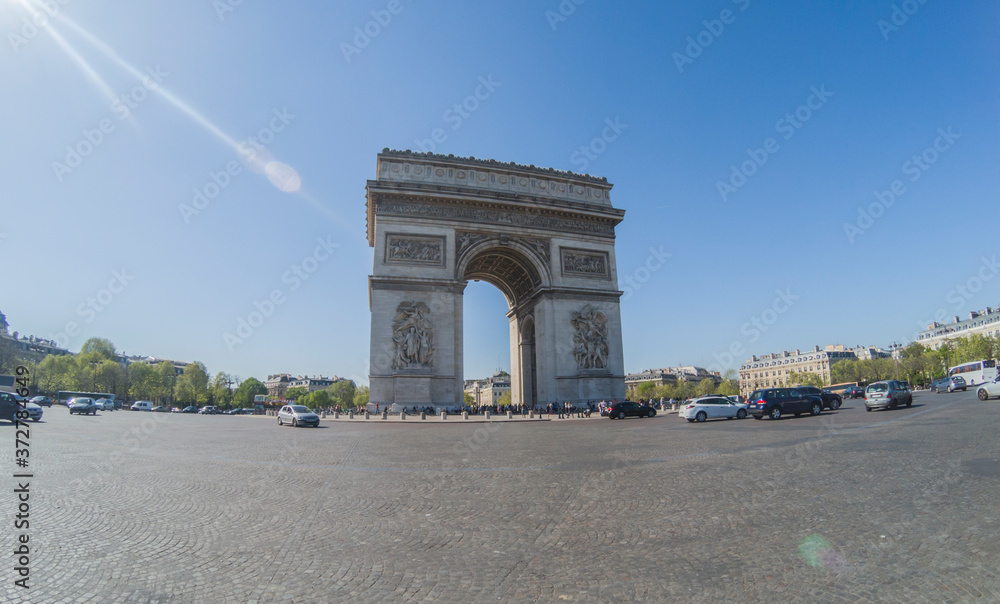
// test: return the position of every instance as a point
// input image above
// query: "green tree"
(645, 390)
(706, 387)
(219, 393)
(248, 388)
(797, 378)
(361, 396)
(100, 346)
(504, 400)
(467, 398)
(294, 394)
(317, 400)
(166, 377)
(144, 381)
(342, 392)
(192, 385)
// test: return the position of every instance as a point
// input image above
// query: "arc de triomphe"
(545, 238)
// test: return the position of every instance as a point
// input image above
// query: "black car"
(41, 401)
(831, 400)
(629, 408)
(778, 402)
(854, 392)
(189, 409)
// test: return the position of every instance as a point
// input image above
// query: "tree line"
(918, 364)
(97, 368)
(684, 389)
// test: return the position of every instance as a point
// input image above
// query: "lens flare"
(283, 176)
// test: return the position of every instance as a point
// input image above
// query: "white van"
(142, 406)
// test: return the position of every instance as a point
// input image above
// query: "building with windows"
(772, 370)
(984, 322)
(671, 376)
(487, 392)
(29, 347)
(313, 383)
(277, 385)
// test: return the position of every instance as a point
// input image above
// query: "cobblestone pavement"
(895, 506)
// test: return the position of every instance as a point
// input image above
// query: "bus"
(975, 372)
(65, 395)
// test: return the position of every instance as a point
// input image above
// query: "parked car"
(712, 407)
(175, 409)
(887, 394)
(831, 400)
(41, 401)
(854, 392)
(105, 404)
(34, 411)
(82, 406)
(142, 406)
(778, 402)
(989, 389)
(297, 415)
(159, 409)
(189, 409)
(208, 410)
(630, 409)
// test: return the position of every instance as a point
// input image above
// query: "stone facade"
(545, 238)
(772, 370)
(983, 322)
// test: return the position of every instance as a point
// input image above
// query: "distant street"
(897, 506)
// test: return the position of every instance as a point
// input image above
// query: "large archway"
(544, 238)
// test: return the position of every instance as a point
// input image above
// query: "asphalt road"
(849, 506)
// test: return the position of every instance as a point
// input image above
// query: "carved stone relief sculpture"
(412, 336)
(590, 338)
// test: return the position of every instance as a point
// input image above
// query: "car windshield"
(758, 394)
(878, 388)
(299, 409)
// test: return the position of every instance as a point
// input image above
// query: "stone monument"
(544, 237)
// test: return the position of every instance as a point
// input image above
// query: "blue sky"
(774, 249)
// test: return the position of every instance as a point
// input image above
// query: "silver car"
(105, 404)
(34, 411)
(297, 415)
(989, 389)
(887, 395)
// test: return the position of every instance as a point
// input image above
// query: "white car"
(105, 404)
(142, 406)
(989, 389)
(712, 407)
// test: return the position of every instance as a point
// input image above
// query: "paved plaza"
(897, 506)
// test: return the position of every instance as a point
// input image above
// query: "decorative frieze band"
(412, 249)
(490, 216)
(584, 263)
